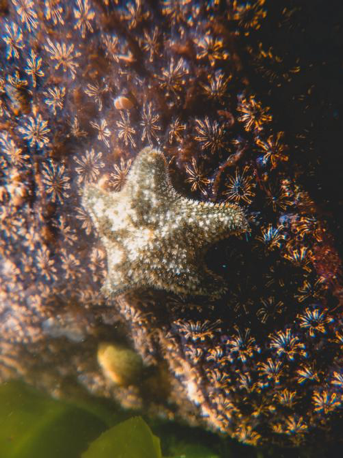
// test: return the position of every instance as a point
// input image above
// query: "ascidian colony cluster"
(85, 86)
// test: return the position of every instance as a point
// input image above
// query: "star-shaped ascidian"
(156, 238)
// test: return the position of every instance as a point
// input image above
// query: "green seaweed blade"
(32, 425)
(130, 439)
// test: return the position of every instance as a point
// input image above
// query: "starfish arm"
(196, 280)
(95, 200)
(212, 222)
(211, 285)
(121, 273)
(110, 212)
(114, 286)
(149, 176)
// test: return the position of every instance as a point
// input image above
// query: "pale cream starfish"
(154, 237)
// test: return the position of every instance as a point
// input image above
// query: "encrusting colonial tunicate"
(133, 135)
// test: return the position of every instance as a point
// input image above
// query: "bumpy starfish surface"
(153, 236)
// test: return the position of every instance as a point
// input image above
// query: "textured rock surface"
(85, 86)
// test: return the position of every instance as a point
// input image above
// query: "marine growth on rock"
(134, 136)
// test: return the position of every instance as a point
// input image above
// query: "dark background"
(306, 104)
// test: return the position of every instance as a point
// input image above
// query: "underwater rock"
(84, 87)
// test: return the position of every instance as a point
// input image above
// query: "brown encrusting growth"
(132, 138)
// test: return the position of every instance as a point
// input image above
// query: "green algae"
(33, 425)
(130, 439)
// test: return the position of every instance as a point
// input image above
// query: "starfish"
(155, 237)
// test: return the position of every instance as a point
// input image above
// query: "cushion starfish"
(154, 237)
